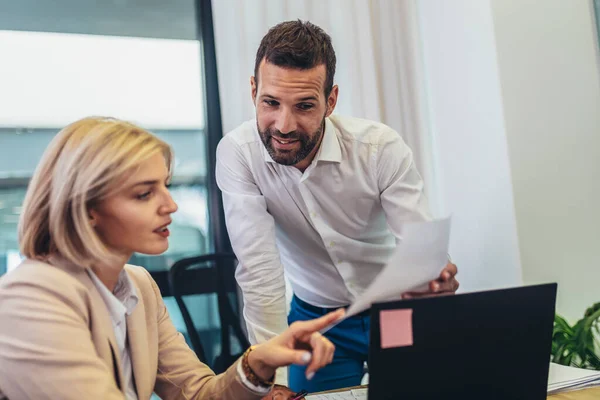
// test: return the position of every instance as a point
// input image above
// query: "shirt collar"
(123, 299)
(330, 146)
(329, 150)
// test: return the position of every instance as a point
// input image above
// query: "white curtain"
(379, 63)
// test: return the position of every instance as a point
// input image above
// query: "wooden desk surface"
(586, 394)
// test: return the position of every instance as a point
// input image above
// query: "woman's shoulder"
(39, 281)
(37, 272)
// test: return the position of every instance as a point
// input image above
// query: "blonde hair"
(84, 163)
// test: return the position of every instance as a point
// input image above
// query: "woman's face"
(135, 218)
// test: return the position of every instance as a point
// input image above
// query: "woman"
(76, 321)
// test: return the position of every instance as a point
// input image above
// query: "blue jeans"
(351, 340)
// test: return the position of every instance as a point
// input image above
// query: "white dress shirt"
(332, 228)
(120, 303)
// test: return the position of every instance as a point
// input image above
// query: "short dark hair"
(299, 45)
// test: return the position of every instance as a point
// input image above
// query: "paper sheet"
(419, 258)
(563, 379)
(354, 394)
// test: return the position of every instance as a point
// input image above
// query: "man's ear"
(332, 100)
(253, 88)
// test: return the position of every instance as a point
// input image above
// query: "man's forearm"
(265, 321)
(265, 325)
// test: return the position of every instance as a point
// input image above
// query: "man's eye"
(271, 103)
(305, 106)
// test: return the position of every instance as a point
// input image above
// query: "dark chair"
(211, 273)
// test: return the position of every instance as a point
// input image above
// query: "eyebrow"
(152, 182)
(314, 98)
(308, 98)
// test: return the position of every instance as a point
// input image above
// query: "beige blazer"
(57, 342)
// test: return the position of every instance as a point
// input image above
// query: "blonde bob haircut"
(86, 162)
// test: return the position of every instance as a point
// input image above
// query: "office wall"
(550, 79)
(472, 172)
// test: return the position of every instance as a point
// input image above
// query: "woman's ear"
(92, 215)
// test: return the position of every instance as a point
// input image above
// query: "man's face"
(290, 111)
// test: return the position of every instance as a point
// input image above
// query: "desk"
(586, 394)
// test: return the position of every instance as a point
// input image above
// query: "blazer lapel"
(137, 336)
(116, 366)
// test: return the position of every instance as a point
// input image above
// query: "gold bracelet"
(250, 375)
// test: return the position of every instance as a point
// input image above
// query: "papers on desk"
(353, 394)
(563, 379)
(418, 259)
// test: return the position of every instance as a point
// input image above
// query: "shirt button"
(313, 214)
(331, 244)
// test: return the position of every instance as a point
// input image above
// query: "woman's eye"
(144, 196)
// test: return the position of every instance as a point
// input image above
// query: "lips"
(282, 140)
(163, 230)
(284, 143)
(164, 233)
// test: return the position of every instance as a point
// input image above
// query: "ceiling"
(169, 19)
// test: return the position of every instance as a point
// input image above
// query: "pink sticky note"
(396, 328)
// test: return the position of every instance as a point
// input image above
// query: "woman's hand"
(300, 344)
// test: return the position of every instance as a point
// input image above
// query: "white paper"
(419, 258)
(360, 394)
(332, 396)
(354, 394)
(562, 378)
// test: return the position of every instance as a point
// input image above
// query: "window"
(54, 79)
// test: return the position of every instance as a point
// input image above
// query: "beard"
(291, 157)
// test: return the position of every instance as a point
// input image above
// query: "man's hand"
(279, 392)
(445, 284)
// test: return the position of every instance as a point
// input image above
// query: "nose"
(286, 121)
(169, 206)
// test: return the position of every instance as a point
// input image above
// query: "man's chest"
(328, 198)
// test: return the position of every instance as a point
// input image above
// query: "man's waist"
(325, 310)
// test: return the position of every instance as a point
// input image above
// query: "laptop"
(485, 345)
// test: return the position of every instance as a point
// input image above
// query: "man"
(322, 197)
